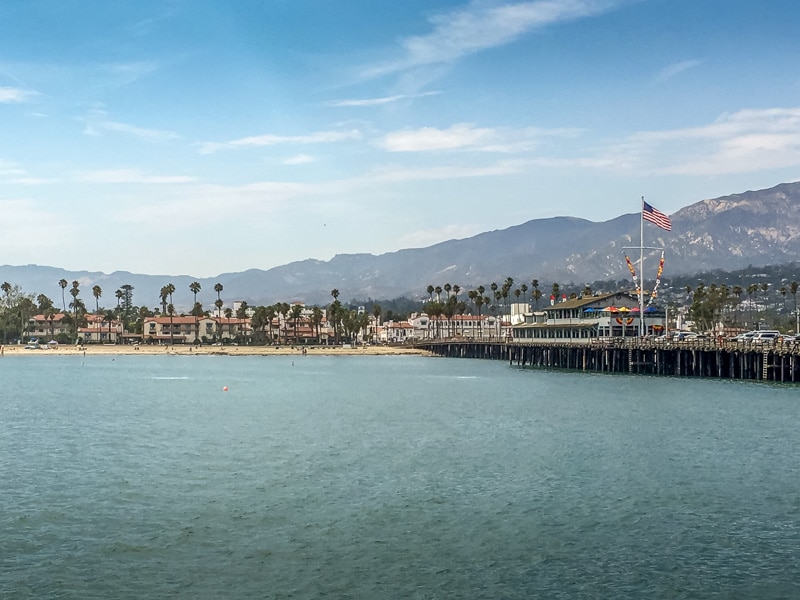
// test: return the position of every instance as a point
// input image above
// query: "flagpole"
(641, 269)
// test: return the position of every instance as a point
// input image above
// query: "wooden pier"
(721, 360)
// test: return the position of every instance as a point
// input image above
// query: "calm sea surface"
(390, 477)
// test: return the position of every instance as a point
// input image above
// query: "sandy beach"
(227, 350)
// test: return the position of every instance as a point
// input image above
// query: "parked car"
(766, 337)
(744, 337)
(686, 336)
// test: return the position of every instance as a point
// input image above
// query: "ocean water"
(390, 477)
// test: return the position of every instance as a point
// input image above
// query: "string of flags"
(654, 293)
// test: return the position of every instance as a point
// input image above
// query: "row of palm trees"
(496, 297)
(346, 322)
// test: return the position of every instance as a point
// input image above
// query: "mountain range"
(752, 228)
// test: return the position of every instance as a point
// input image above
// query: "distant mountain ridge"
(755, 227)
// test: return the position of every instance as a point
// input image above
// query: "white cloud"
(319, 137)
(465, 136)
(483, 25)
(10, 95)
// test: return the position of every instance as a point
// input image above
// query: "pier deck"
(704, 358)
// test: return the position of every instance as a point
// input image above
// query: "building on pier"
(582, 319)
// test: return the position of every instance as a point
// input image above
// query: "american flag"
(655, 216)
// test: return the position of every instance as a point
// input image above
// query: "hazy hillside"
(756, 227)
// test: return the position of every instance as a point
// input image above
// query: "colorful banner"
(654, 293)
(633, 274)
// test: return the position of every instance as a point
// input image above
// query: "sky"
(197, 137)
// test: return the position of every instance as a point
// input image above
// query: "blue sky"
(197, 137)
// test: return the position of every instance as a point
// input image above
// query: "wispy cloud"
(319, 137)
(115, 176)
(380, 101)
(674, 69)
(741, 142)
(97, 124)
(746, 141)
(483, 25)
(299, 159)
(132, 71)
(11, 95)
(466, 136)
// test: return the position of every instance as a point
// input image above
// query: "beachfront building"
(582, 319)
(47, 326)
(177, 329)
(100, 331)
(232, 328)
(395, 332)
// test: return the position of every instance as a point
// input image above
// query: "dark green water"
(390, 477)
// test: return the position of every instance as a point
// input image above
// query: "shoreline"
(227, 350)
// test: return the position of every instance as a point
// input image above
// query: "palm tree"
(316, 320)
(74, 291)
(195, 287)
(737, 292)
(6, 287)
(108, 317)
(270, 314)
(334, 314)
(97, 291)
(50, 315)
(44, 302)
(241, 314)
(296, 313)
(751, 289)
(218, 303)
(536, 294)
(430, 289)
(376, 312)
(169, 308)
(63, 284)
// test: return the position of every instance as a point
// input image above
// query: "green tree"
(44, 302)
